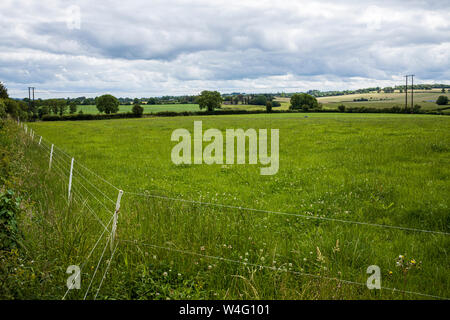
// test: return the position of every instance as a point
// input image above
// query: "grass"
(147, 108)
(384, 169)
(425, 98)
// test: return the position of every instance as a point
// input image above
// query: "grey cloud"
(141, 46)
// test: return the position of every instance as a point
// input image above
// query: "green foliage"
(276, 104)
(2, 109)
(341, 108)
(73, 107)
(210, 100)
(303, 101)
(268, 107)
(442, 100)
(137, 110)
(42, 111)
(107, 104)
(3, 91)
(9, 210)
(259, 100)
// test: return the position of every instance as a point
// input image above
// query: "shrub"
(9, 210)
(269, 106)
(341, 108)
(137, 110)
(276, 104)
(2, 110)
(442, 100)
(303, 101)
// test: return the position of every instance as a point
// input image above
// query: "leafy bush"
(303, 101)
(2, 110)
(269, 106)
(442, 100)
(137, 110)
(9, 210)
(341, 108)
(276, 104)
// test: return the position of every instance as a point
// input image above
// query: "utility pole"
(406, 92)
(412, 91)
(30, 89)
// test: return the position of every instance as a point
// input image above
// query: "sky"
(174, 47)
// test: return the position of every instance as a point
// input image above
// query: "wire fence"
(103, 209)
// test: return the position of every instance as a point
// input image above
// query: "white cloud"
(147, 48)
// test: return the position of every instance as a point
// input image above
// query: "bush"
(9, 210)
(2, 110)
(268, 106)
(259, 100)
(341, 108)
(303, 101)
(442, 100)
(276, 104)
(137, 110)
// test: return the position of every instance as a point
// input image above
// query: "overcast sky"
(153, 48)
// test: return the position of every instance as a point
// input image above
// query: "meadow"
(379, 170)
(425, 98)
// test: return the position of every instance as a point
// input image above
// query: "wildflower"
(165, 274)
(154, 257)
(210, 267)
(202, 248)
(413, 262)
(390, 272)
(179, 274)
(262, 258)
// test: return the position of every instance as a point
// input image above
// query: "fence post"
(70, 179)
(51, 156)
(114, 225)
(40, 139)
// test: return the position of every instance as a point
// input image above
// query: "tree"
(2, 110)
(151, 101)
(137, 110)
(107, 104)
(341, 108)
(303, 101)
(443, 90)
(61, 106)
(442, 100)
(276, 104)
(259, 100)
(268, 107)
(73, 107)
(209, 100)
(3, 92)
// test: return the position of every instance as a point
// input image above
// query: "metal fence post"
(114, 225)
(51, 157)
(70, 179)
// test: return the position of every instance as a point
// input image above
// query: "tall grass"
(349, 168)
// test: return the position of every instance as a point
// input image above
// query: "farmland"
(425, 98)
(388, 170)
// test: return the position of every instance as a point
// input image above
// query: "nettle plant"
(9, 210)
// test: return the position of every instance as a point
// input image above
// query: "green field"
(147, 108)
(382, 169)
(425, 98)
